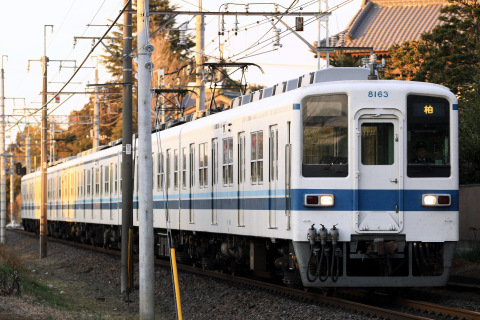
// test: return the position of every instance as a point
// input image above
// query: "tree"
(451, 50)
(451, 58)
(404, 61)
(345, 60)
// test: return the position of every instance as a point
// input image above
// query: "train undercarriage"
(366, 261)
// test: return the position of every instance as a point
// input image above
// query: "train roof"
(315, 77)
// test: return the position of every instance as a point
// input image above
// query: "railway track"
(414, 309)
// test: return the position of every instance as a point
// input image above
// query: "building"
(382, 23)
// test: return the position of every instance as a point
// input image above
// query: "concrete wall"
(469, 217)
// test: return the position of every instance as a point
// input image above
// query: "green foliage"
(449, 55)
(451, 50)
(404, 61)
(345, 60)
(469, 133)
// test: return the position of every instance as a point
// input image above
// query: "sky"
(24, 37)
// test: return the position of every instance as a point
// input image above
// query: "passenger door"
(379, 173)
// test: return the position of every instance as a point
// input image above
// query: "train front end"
(375, 201)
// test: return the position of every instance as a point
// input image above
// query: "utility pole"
(96, 124)
(12, 193)
(145, 194)
(200, 47)
(127, 172)
(3, 208)
(29, 169)
(44, 150)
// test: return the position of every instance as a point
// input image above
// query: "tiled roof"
(382, 23)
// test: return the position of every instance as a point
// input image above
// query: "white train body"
(332, 148)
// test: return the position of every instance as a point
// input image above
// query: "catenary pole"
(3, 211)
(145, 194)
(127, 179)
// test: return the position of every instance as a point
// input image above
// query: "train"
(332, 179)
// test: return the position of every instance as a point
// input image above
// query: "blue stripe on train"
(345, 200)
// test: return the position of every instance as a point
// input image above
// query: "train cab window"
(325, 136)
(256, 159)
(377, 143)
(428, 137)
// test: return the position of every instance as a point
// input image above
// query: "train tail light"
(436, 200)
(319, 200)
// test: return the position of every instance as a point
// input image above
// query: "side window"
(192, 165)
(227, 161)
(97, 181)
(168, 167)
(106, 180)
(256, 160)
(89, 182)
(160, 172)
(203, 165)
(184, 168)
(115, 182)
(175, 169)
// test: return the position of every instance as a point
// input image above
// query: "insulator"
(246, 7)
(276, 8)
(333, 41)
(236, 25)
(222, 29)
(183, 35)
(341, 39)
(277, 38)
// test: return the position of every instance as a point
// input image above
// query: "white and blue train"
(330, 179)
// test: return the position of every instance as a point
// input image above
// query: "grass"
(9, 262)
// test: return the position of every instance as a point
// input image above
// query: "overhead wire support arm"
(240, 13)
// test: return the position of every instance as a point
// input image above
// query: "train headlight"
(319, 200)
(436, 200)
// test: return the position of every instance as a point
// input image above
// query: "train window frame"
(325, 118)
(428, 127)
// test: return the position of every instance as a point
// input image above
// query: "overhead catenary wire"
(81, 65)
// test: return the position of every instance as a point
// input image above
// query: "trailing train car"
(328, 180)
